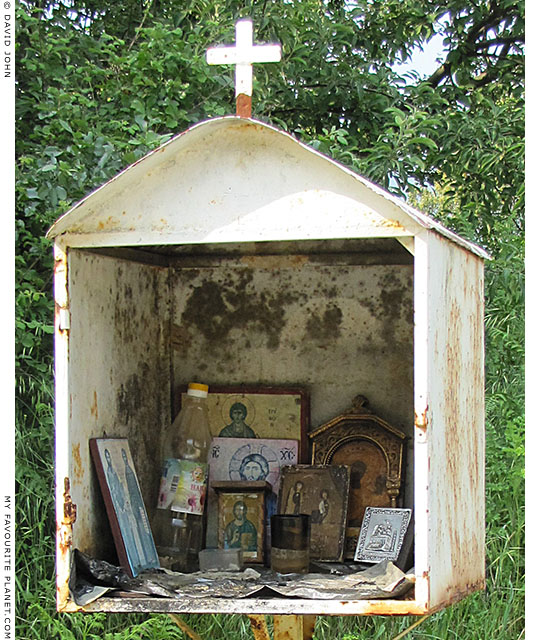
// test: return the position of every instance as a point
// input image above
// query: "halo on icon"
(228, 403)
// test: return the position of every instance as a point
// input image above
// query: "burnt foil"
(382, 580)
(91, 578)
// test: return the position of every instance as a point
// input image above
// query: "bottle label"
(183, 486)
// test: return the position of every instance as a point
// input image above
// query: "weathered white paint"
(231, 183)
(362, 229)
(421, 449)
(62, 452)
(115, 381)
(456, 415)
(449, 389)
(243, 55)
(238, 180)
(408, 243)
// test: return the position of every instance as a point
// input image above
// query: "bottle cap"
(198, 390)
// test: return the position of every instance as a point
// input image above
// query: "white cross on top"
(243, 55)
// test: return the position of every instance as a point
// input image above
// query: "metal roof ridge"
(419, 217)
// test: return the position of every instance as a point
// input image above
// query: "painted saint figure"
(238, 427)
(294, 499)
(139, 513)
(318, 516)
(124, 514)
(240, 533)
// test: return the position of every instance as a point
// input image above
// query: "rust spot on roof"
(104, 224)
(392, 224)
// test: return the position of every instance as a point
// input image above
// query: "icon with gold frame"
(374, 451)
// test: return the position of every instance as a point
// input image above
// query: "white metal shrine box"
(235, 255)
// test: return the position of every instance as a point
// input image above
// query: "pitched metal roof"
(102, 210)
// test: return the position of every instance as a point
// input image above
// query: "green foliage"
(99, 84)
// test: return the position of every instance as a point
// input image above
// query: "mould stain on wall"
(263, 324)
(215, 308)
(324, 327)
(129, 396)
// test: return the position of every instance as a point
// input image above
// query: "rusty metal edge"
(253, 607)
(259, 627)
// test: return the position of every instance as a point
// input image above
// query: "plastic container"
(178, 524)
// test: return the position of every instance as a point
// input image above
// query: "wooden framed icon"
(322, 492)
(124, 504)
(242, 518)
(248, 460)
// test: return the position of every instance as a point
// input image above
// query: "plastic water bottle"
(178, 523)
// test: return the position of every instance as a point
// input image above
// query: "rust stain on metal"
(106, 224)
(57, 317)
(61, 303)
(294, 627)
(252, 125)
(59, 263)
(243, 105)
(70, 509)
(64, 531)
(459, 595)
(279, 607)
(393, 224)
(258, 627)
(309, 626)
(94, 406)
(77, 462)
(421, 421)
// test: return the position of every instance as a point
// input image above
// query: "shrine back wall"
(329, 323)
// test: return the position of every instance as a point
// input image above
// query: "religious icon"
(280, 413)
(237, 428)
(322, 492)
(247, 460)
(294, 499)
(319, 515)
(382, 534)
(242, 518)
(124, 504)
(373, 449)
(240, 533)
